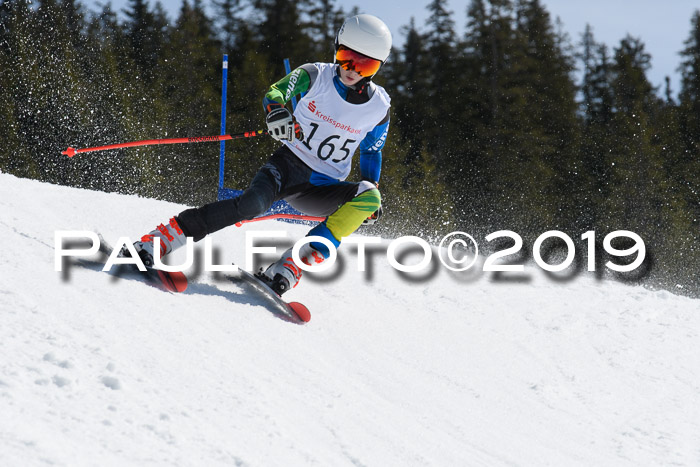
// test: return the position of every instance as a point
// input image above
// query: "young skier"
(341, 111)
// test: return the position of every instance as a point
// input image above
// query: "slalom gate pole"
(222, 146)
(70, 152)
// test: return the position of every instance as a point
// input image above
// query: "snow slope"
(446, 370)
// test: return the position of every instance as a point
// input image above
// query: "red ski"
(295, 311)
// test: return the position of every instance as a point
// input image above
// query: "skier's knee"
(192, 224)
(253, 204)
(365, 186)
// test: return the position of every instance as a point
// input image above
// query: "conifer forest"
(510, 125)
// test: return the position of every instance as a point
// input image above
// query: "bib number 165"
(328, 146)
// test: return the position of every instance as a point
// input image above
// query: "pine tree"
(682, 154)
(48, 88)
(190, 81)
(230, 23)
(145, 32)
(442, 87)
(488, 46)
(408, 80)
(406, 157)
(638, 186)
(690, 89)
(541, 83)
(278, 31)
(597, 113)
(597, 105)
(15, 155)
(322, 20)
(118, 108)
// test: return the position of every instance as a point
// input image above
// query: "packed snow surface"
(393, 369)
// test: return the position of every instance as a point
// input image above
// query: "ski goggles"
(355, 61)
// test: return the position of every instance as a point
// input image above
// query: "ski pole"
(70, 152)
(301, 217)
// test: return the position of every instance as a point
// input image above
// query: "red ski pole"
(70, 152)
(302, 217)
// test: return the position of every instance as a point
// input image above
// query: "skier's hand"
(281, 124)
(374, 217)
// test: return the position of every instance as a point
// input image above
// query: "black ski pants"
(284, 176)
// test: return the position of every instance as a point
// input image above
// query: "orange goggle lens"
(354, 61)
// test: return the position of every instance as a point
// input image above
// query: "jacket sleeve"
(371, 151)
(297, 82)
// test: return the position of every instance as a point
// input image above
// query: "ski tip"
(173, 281)
(301, 311)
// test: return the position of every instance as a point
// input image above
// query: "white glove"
(280, 124)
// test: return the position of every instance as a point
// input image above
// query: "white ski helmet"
(367, 35)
